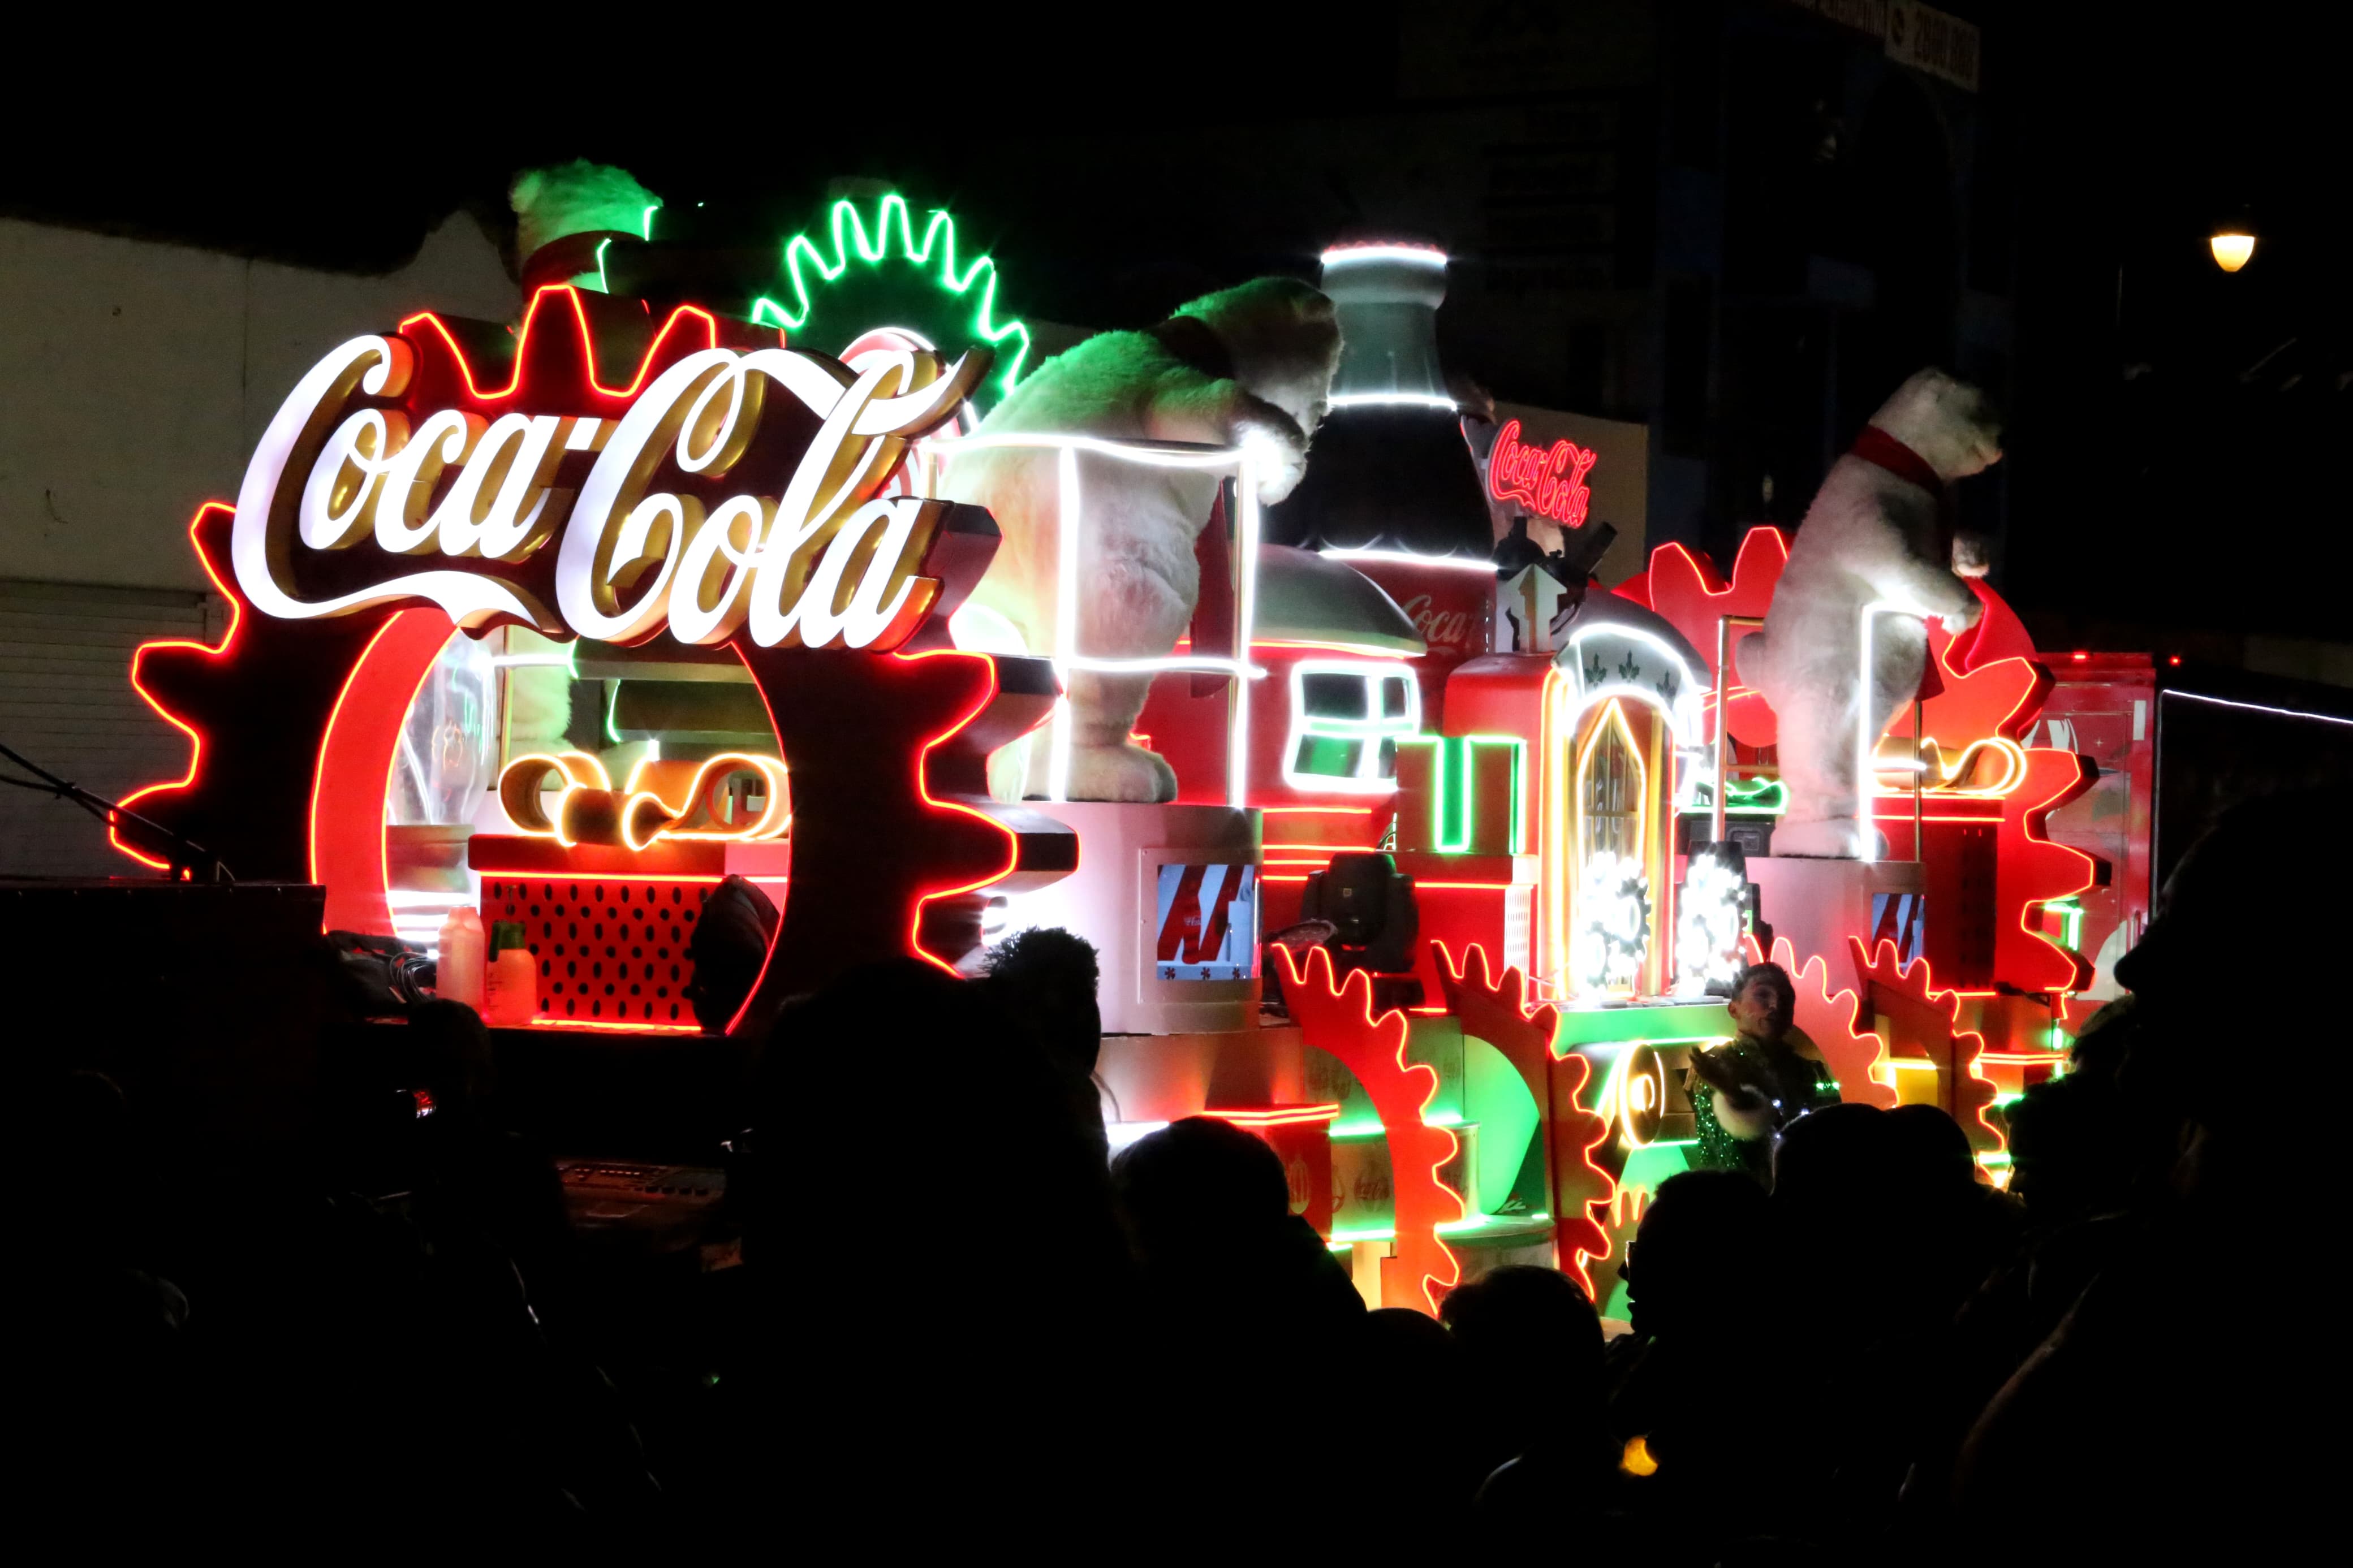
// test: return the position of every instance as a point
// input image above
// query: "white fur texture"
(1868, 536)
(539, 708)
(1138, 580)
(578, 197)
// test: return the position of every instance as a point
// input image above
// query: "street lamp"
(2231, 246)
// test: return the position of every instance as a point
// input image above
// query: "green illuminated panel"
(1675, 1024)
(1453, 804)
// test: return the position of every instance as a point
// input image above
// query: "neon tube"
(1408, 558)
(1345, 255)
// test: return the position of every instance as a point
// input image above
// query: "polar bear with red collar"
(1879, 535)
(1250, 367)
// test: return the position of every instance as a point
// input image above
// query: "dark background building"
(1740, 222)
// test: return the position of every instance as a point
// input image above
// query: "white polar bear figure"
(1875, 534)
(1249, 366)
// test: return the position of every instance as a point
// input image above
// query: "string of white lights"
(2258, 708)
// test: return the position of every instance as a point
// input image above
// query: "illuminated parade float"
(572, 619)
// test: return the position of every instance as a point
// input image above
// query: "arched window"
(1611, 789)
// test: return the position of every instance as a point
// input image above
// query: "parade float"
(570, 619)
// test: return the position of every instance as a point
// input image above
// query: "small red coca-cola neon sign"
(1549, 480)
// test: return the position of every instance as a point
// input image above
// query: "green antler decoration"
(853, 239)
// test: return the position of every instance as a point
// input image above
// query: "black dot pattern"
(611, 952)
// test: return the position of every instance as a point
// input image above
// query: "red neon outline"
(326, 743)
(1508, 992)
(587, 343)
(922, 756)
(623, 1024)
(138, 658)
(1697, 572)
(1343, 1015)
(1866, 1087)
(1518, 471)
(1884, 964)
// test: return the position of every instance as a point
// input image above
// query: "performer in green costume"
(1770, 1074)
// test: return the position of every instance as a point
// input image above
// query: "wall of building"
(134, 380)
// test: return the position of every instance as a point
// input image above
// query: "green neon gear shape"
(826, 303)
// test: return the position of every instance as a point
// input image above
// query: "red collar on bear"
(1879, 449)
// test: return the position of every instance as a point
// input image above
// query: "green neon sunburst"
(915, 284)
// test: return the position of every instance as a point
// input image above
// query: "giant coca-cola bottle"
(1392, 487)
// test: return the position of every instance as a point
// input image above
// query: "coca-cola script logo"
(689, 511)
(1444, 630)
(1549, 480)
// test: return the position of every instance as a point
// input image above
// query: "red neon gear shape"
(1497, 1011)
(1685, 589)
(1911, 988)
(287, 718)
(1339, 1019)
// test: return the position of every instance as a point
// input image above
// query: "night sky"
(2175, 441)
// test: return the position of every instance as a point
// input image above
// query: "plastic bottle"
(464, 956)
(511, 991)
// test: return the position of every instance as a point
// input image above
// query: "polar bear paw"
(1279, 452)
(1121, 773)
(1831, 838)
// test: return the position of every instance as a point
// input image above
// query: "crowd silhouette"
(957, 1321)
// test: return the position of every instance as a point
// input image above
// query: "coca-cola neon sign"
(647, 528)
(1546, 480)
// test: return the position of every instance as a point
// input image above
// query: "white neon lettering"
(585, 569)
(343, 482)
(511, 461)
(267, 522)
(821, 565)
(706, 602)
(442, 441)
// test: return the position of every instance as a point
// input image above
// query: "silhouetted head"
(1764, 1000)
(1703, 1250)
(1837, 1158)
(2069, 1155)
(1284, 338)
(1951, 423)
(1522, 1321)
(1935, 1152)
(1196, 1185)
(2280, 854)
(1045, 980)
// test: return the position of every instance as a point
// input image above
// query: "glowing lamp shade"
(2232, 248)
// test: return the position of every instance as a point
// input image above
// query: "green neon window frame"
(1454, 807)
